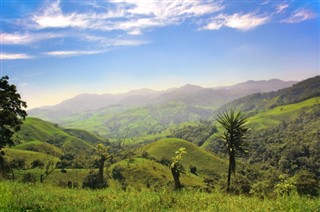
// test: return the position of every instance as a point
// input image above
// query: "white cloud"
(9, 56)
(130, 16)
(70, 53)
(281, 8)
(107, 42)
(243, 22)
(26, 38)
(53, 17)
(299, 16)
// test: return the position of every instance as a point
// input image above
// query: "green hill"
(143, 173)
(38, 146)
(46, 137)
(74, 147)
(259, 102)
(27, 156)
(206, 163)
(275, 116)
(118, 121)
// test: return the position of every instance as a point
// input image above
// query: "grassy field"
(278, 114)
(28, 156)
(41, 197)
(272, 117)
(206, 163)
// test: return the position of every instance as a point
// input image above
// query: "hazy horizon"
(54, 50)
(151, 89)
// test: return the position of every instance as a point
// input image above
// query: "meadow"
(16, 196)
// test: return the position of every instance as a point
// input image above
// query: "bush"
(307, 183)
(37, 163)
(18, 163)
(286, 186)
(92, 181)
(29, 178)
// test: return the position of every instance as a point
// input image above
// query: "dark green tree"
(12, 112)
(233, 137)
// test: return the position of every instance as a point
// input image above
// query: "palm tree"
(233, 137)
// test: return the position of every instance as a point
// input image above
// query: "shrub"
(29, 178)
(92, 181)
(37, 163)
(18, 163)
(307, 183)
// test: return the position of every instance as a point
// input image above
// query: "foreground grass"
(26, 197)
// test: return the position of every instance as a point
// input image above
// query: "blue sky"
(54, 50)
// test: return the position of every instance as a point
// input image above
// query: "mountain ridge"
(188, 94)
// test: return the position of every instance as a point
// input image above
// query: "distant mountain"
(262, 86)
(190, 95)
(258, 102)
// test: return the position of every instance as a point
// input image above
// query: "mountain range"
(188, 95)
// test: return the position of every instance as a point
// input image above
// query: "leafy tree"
(233, 137)
(103, 154)
(177, 168)
(11, 111)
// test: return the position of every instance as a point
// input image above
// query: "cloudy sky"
(55, 49)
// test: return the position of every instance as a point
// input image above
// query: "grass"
(38, 146)
(27, 156)
(142, 173)
(206, 163)
(278, 114)
(41, 197)
(40, 136)
(272, 117)
(56, 178)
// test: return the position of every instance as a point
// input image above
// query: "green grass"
(28, 156)
(275, 116)
(27, 197)
(38, 146)
(56, 178)
(272, 117)
(118, 121)
(142, 173)
(37, 129)
(206, 163)
(42, 136)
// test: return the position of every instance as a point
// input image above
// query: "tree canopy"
(11, 111)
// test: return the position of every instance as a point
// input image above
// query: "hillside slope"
(206, 163)
(263, 101)
(143, 112)
(41, 136)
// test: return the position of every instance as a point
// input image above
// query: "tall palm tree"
(233, 137)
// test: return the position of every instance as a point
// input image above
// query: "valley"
(283, 143)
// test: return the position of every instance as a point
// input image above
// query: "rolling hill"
(270, 110)
(205, 162)
(50, 140)
(151, 170)
(143, 112)
(258, 102)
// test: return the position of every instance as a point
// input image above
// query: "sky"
(53, 50)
